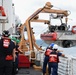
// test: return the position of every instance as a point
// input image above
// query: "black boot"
(43, 73)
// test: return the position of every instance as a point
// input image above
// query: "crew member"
(7, 54)
(18, 50)
(54, 59)
(46, 58)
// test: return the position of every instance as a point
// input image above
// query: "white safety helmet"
(55, 46)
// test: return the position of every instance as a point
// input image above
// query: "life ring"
(74, 29)
(2, 11)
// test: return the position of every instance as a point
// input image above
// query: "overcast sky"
(25, 8)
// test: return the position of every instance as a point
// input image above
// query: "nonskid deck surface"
(28, 71)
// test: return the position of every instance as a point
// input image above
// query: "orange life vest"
(9, 57)
(53, 58)
(2, 11)
(48, 51)
(74, 29)
(6, 43)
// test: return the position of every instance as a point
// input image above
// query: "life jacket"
(7, 47)
(47, 52)
(9, 57)
(53, 57)
(6, 42)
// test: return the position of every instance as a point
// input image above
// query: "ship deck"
(29, 71)
(67, 66)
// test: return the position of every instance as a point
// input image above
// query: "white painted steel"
(66, 66)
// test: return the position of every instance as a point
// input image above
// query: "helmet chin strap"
(55, 49)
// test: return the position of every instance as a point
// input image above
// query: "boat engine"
(63, 26)
(52, 28)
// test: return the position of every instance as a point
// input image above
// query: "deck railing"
(66, 66)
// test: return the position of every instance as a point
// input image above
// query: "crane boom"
(35, 18)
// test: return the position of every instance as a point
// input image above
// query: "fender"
(2, 11)
(74, 29)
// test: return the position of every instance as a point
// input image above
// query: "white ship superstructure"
(7, 22)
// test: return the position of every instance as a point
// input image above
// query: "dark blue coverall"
(54, 65)
(46, 59)
(17, 58)
(6, 66)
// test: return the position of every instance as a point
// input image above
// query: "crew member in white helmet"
(54, 60)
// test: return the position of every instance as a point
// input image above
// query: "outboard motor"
(52, 28)
(62, 26)
(66, 43)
